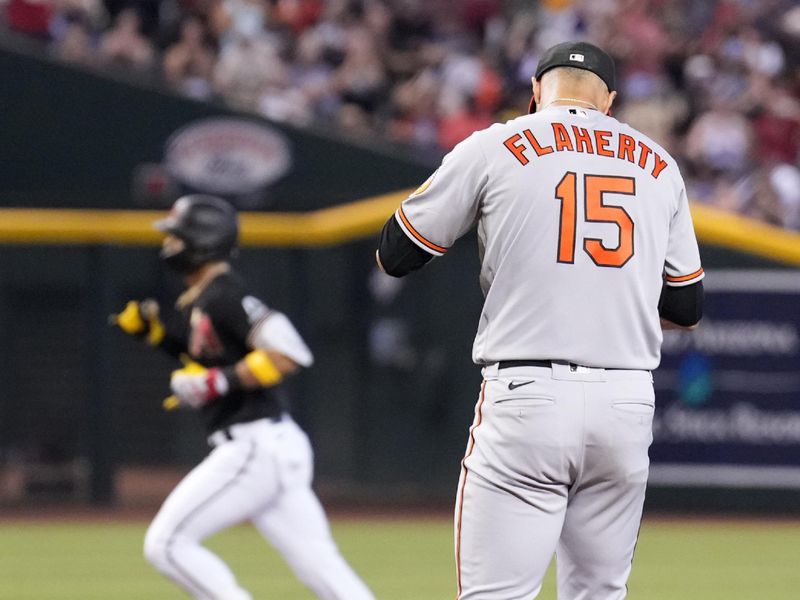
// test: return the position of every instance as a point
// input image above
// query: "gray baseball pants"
(556, 463)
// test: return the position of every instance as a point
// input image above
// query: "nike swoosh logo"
(512, 385)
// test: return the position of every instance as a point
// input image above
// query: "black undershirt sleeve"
(682, 305)
(398, 254)
(228, 314)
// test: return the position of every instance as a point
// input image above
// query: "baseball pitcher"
(237, 352)
(587, 251)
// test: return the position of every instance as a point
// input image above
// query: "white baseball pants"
(556, 463)
(263, 474)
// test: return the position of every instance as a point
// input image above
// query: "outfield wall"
(390, 398)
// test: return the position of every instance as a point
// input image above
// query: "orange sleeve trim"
(681, 278)
(421, 239)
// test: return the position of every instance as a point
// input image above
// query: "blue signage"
(728, 394)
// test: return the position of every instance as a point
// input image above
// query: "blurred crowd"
(717, 82)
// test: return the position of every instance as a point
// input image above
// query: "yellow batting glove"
(155, 328)
(140, 319)
(130, 319)
(194, 385)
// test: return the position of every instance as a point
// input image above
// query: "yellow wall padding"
(325, 227)
(337, 225)
(722, 228)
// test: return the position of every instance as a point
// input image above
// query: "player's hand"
(195, 386)
(141, 320)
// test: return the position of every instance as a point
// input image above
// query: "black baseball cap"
(580, 55)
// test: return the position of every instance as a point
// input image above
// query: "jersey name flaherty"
(572, 138)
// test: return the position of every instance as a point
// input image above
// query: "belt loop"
(491, 371)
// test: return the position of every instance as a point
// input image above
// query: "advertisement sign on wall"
(728, 394)
(238, 159)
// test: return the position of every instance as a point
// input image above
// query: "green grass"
(400, 560)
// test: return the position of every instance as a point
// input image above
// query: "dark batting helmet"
(208, 227)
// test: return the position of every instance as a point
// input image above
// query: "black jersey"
(216, 326)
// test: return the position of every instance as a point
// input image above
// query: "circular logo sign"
(227, 156)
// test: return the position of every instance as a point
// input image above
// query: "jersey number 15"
(595, 211)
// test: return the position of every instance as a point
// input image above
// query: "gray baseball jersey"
(572, 262)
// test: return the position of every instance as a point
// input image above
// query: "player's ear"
(537, 95)
(609, 102)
